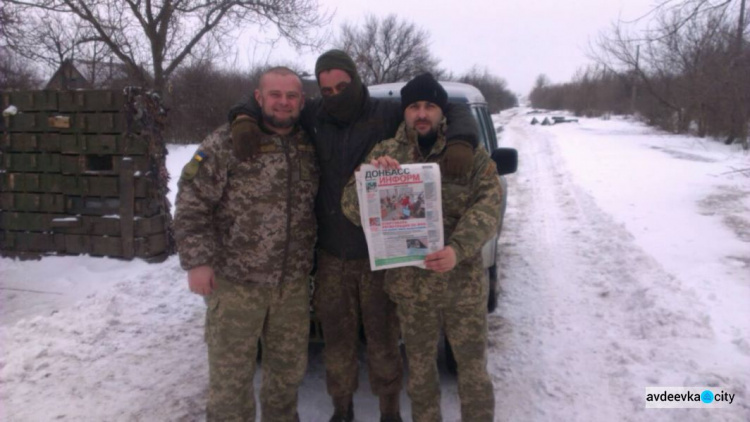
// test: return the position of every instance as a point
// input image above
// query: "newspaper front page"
(401, 212)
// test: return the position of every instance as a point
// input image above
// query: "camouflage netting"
(145, 109)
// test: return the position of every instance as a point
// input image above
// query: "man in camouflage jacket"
(245, 231)
(451, 294)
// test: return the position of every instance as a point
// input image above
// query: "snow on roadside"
(120, 354)
(683, 202)
(100, 338)
(593, 310)
(681, 197)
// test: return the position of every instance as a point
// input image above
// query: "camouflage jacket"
(251, 221)
(471, 214)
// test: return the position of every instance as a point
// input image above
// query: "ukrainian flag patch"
(191, 168)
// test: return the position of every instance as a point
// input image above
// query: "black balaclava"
(345, 106)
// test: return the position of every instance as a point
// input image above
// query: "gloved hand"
(458, 159)
(246, 136)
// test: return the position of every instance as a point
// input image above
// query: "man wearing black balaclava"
(345, 124)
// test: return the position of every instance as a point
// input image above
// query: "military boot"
(389, 408)
(343, 409)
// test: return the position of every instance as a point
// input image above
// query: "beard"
(427, 140)
(273, 121)
(431, 134)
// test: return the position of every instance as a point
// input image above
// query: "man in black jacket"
(345, 124)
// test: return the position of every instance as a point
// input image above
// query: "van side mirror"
(506, 160)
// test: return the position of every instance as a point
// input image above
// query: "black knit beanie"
(424, 87)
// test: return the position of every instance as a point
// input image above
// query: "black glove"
(245, 137)
(458, 159)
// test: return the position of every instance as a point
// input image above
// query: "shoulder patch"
(191, 168)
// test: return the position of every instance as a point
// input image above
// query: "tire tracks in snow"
(587, 319)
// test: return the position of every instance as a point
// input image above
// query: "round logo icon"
(707, 396)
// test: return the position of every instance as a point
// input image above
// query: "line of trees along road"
(174, 47)
(392, 50)
(687, 69)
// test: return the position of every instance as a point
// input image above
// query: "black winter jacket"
(341, 149)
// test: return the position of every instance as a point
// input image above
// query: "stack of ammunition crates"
(83, 172)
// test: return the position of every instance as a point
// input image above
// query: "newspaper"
(401, 212)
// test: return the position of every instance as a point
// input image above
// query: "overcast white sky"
(515, 39)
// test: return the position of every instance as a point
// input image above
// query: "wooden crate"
(80, 172)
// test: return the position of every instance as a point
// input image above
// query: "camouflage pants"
(237, 316)
(346, 290)
(465, 325)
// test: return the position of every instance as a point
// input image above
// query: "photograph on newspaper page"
(401, 212)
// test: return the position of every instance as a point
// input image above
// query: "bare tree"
(161, 35)
(493, 88)
(691, 59)
(541, 81)
(388, 50)
(688, 11)
(16, 72)
(43, 38)
(687, 70)
(49, 39)
(594, 91)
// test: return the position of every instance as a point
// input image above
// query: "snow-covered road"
(589, 317)
(625, 264)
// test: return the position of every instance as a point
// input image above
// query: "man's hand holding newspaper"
(441, 261)
(401, 214)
